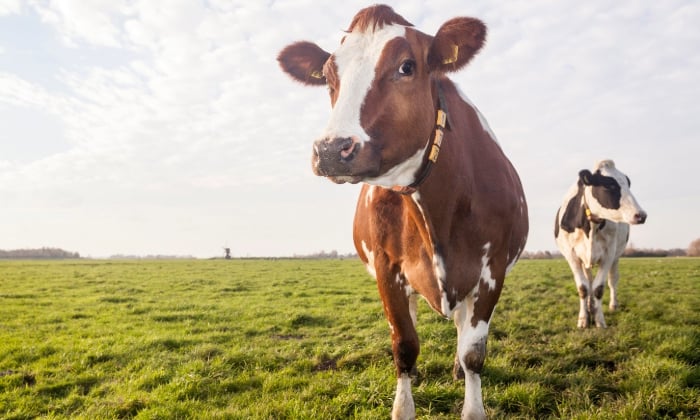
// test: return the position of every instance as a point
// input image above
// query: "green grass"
(265, 339)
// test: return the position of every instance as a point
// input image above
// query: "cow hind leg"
(471, 353)
(613, 277)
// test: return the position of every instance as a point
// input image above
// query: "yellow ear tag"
(317, 74)
(455, 55)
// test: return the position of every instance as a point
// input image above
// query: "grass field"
(297, 339)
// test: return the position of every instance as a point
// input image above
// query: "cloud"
(170, 110)
(92, 22)
(9, 7)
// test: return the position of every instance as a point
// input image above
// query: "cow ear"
(456, 42)
(304, 62)
(586, 177)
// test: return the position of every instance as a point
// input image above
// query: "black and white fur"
(592, 228)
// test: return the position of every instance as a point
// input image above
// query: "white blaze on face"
(356, 60)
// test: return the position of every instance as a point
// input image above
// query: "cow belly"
(604, 245)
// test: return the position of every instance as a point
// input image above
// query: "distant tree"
(48, 253)
(694, 248)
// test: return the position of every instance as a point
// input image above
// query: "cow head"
(382, 86)
(607, 194)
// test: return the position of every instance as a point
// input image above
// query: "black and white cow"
(592, 228)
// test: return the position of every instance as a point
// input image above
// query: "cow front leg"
(596, 298)
(581, 277)
(399, 311)
(472, 331)
(613, 277)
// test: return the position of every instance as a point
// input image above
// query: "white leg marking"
(469, 338)
(613, 278)
(473, 401)
(404, 409)
(597, 303)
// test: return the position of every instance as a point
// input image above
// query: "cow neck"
(597, 223)
(589, 214)
(432, 147)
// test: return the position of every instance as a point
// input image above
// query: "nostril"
(347, 149)
(640, 217)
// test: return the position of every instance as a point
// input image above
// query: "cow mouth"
(345, 179)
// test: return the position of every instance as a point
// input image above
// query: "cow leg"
(613, 277)
(581, 277)
(472, 332)
(596, 298)
(400, 313)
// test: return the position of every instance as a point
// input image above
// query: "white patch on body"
(402, 174)
(369, 197)
(440, 275)
(484, 124)
(370, 260)
(512, 263)
(486, 275)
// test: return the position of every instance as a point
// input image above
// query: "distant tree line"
(150, 257)
(45, 253)
(323, 255)
(631, 251)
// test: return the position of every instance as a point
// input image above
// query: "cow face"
(381, 82)
(607, 194)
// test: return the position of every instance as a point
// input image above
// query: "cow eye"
(612, 186)
(407, 68)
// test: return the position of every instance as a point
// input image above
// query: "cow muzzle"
(333, 158)
(639, 218)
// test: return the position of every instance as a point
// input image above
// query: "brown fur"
(469, 215)
(376, 17)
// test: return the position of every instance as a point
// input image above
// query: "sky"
(166, 126)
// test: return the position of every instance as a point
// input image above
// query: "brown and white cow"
(592, 228)
(445, 227)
